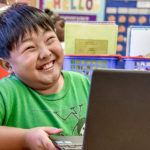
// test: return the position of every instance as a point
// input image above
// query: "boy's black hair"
(48, 11)
(16, 21)
(53, 16)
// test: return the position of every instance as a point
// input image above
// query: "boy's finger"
(51, 130)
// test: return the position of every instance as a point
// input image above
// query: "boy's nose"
(44, 53)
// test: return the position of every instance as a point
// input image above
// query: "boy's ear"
(4, 63)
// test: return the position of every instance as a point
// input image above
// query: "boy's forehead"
(29, 33)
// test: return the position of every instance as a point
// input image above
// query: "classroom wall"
(34, 3)
(125, 13)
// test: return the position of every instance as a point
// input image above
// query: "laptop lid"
(118, 116)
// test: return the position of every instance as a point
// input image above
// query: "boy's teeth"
(48, 65)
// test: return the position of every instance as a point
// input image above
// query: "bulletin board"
(77, 10)
(127, 13)
(138, 43)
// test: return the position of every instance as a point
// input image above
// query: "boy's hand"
(38, 138)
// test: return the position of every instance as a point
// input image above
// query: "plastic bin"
(3, 73)
(136, 63)
(85, 64)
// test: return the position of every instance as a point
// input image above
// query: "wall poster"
(77, 10)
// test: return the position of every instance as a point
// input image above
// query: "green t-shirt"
(21, 106)
(1, 11)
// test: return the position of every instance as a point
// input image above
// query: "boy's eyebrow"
(26, 39)
(49, 30)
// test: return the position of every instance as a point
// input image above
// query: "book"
(90, 37)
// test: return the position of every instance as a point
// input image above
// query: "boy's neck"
(53, 89)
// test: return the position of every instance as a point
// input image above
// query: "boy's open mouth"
(47, 66)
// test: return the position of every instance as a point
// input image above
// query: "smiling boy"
(38, 98)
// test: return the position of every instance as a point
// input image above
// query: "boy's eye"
(62, 24)
(29, 47)
(49, 39)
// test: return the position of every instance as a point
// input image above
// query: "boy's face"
(37, 60)
(59, 25)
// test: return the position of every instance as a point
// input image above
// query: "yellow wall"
(30, 2)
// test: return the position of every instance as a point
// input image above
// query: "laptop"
(118, 116)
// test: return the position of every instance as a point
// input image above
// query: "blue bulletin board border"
(121, 3)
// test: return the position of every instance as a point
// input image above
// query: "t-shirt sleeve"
(2, 109)
(82, 83)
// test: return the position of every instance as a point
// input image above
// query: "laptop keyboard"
(68, 145)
